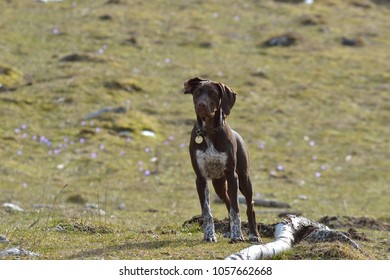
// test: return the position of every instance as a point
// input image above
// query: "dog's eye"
(214, 94)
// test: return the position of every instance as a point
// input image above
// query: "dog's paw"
(210, 238)
(236, 239)
(254, 238)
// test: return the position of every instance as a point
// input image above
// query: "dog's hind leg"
(246, 190)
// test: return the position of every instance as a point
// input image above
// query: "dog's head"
(209, 96)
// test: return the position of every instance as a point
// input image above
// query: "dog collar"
(200, 133)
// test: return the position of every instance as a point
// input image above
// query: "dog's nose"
(201, 105)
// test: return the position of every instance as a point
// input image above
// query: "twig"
(54, 202)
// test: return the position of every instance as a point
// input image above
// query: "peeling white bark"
(286, 233)
(283, 241)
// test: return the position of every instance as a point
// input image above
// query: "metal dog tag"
(198, 139)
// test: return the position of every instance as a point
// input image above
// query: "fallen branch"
(260, 202)
(288, 232)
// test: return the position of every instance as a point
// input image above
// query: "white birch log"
(284, 237)
(286, 233)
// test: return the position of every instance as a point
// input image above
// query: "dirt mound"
(267, 230)
(354, 222)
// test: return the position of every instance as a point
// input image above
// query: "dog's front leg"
(204, 198)
(234, 214)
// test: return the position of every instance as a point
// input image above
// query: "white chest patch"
(211, 162)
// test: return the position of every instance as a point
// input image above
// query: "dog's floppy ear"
(228, 98)
(190, 85)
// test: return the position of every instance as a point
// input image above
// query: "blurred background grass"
(315, 114)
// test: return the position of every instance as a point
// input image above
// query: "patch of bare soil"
(354, 222)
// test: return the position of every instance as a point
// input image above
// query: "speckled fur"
(208, 223)
(211, 162)
(235, 226)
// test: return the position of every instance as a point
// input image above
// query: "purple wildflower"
(55, 31)
(261, 145)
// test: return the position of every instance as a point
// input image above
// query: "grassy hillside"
(95, 128)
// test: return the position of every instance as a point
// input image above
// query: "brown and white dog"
(219, 153)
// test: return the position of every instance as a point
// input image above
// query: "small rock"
(3, 239)
(94, 208)
(75, 57)
(285, 40)
(17, 252)
(303, 197)
(91, 206)
(10, 207)
(148, 133)
(351, 42)
(100, 112)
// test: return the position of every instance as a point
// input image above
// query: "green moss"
(10, 78)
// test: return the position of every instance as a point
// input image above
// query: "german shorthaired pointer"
(219, 153)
